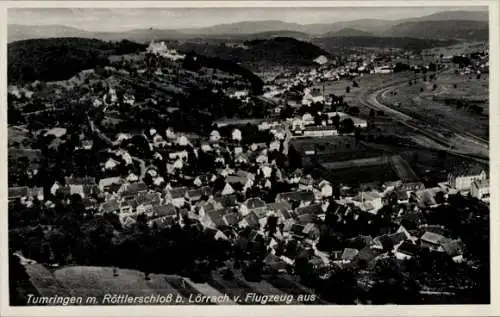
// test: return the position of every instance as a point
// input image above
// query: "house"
(369, 201)
(196, 194)
(56, 132)
(177, 196)
(462, 178)
(216, 234)
(480, 189)
(227, 201)
(110, 207)
(232, 218)
(105, 183)
(167, 210)
(228, 189)
(454, 248)
(252, 205)
(315, 210)
(214, 219)
(250, 220)
(236, 135)
(320, 131)
(312, 232)
(130, 189)
(433, 241)
(300, 197)
(162, 222)
(25, 192)
(349, 254)
(406, 250)
(326, 189)
(297, 231)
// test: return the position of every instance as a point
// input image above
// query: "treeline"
(275, 51)
(61, 58)
(406, 43)
(195, 61)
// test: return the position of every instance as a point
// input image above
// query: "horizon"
(126, 19)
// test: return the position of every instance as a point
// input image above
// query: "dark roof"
(227, 200)
(198, 192)
(280, 206)
(252, 219)
(80, 181)
(297, 229)
(465, 169)
(178, 192)
(134, 188)
(408, 248)
(254, 203)
(402, 195)
(110, 206)
(232, 218)
(148, 198)
(305, 219)
(433, 238)
(296, 196)
(313, 209)
(90, 189)
(165, 210)
(366, 254)
(163, 222)
(114, 187)
(217, 216)
(398, 237)
(285, 214)
(349, 254)
(453, 247)
(18, 192)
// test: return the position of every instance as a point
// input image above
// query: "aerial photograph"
(248, 156)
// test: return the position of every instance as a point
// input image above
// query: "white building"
(463, 180)
(480, 189)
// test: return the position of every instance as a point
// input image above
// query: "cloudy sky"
(126, 19)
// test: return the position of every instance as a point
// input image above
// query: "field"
(366, 82)
(362, 174)
(457, 49)
(97, 281)
(421, 100)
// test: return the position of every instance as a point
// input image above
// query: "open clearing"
(422, 101)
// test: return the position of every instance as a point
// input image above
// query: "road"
(103, 137)
(371, 100)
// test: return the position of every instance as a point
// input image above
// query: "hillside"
(446, 29)
(247, 28)
(454, 15)
(274, 51)
(346, 32)
(17, 32)
(60, 58)
(331, 44)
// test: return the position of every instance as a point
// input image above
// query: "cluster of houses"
(229, 198)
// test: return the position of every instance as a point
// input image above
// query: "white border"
(390, 310)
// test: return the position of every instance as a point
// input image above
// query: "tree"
(347, 126)
(347, 89)
(372, 113)
(355, 84)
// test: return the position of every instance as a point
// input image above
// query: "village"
(246, 192)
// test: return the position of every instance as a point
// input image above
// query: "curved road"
(370, 99)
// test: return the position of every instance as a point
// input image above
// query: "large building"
(462, 179)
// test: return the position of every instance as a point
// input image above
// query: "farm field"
(427, 102)
(366, 82)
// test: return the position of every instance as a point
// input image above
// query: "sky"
(106, 19)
